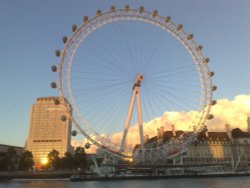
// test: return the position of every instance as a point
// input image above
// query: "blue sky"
(31, 30)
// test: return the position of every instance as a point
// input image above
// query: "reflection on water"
(230, 182)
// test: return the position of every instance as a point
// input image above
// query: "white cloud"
(233, 112)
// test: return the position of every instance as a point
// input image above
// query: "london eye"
(123, 69)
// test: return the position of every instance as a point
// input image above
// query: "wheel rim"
(86, 29)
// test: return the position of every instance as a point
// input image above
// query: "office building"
(49, 128)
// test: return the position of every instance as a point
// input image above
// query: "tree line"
(11, 161)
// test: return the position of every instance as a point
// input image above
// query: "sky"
(31, 31)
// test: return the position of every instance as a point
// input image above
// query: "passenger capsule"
(199, 48)
(53, 68)
(112, 8)
(190, 37)
(211, 74)
(141, 9)
(87, 145)
(214, 88)
(65, 39)
(206, 60)
(56, 101)
(210, 116)
(98, 12)
(74, 133)
(214, 102)
(126, 7)
(53, 85)
(154, 13)
(167, 19)
(74, 28)
(85, 19)
(63, 118)
(179, 27)
(58, 53)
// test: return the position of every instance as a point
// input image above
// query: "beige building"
(229, 150)
(209, 151)
(50, 128)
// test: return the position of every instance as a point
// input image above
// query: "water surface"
(224, 182)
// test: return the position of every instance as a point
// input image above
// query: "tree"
(80, 158)
(54, 160)
(26, 161)
(3, 161)
(12, 159)
(67, 162)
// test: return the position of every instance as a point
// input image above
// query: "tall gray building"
(49, 128)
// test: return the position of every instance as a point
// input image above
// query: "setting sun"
(44, 161)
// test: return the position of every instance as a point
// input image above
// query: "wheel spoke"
(100, 66)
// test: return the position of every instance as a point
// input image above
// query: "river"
(218, 182)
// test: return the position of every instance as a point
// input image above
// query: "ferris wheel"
(125, 68)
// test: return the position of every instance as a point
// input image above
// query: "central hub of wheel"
(138, 80)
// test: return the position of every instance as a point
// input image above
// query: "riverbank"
(35, 175)
(5, 176)
(141, 177)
